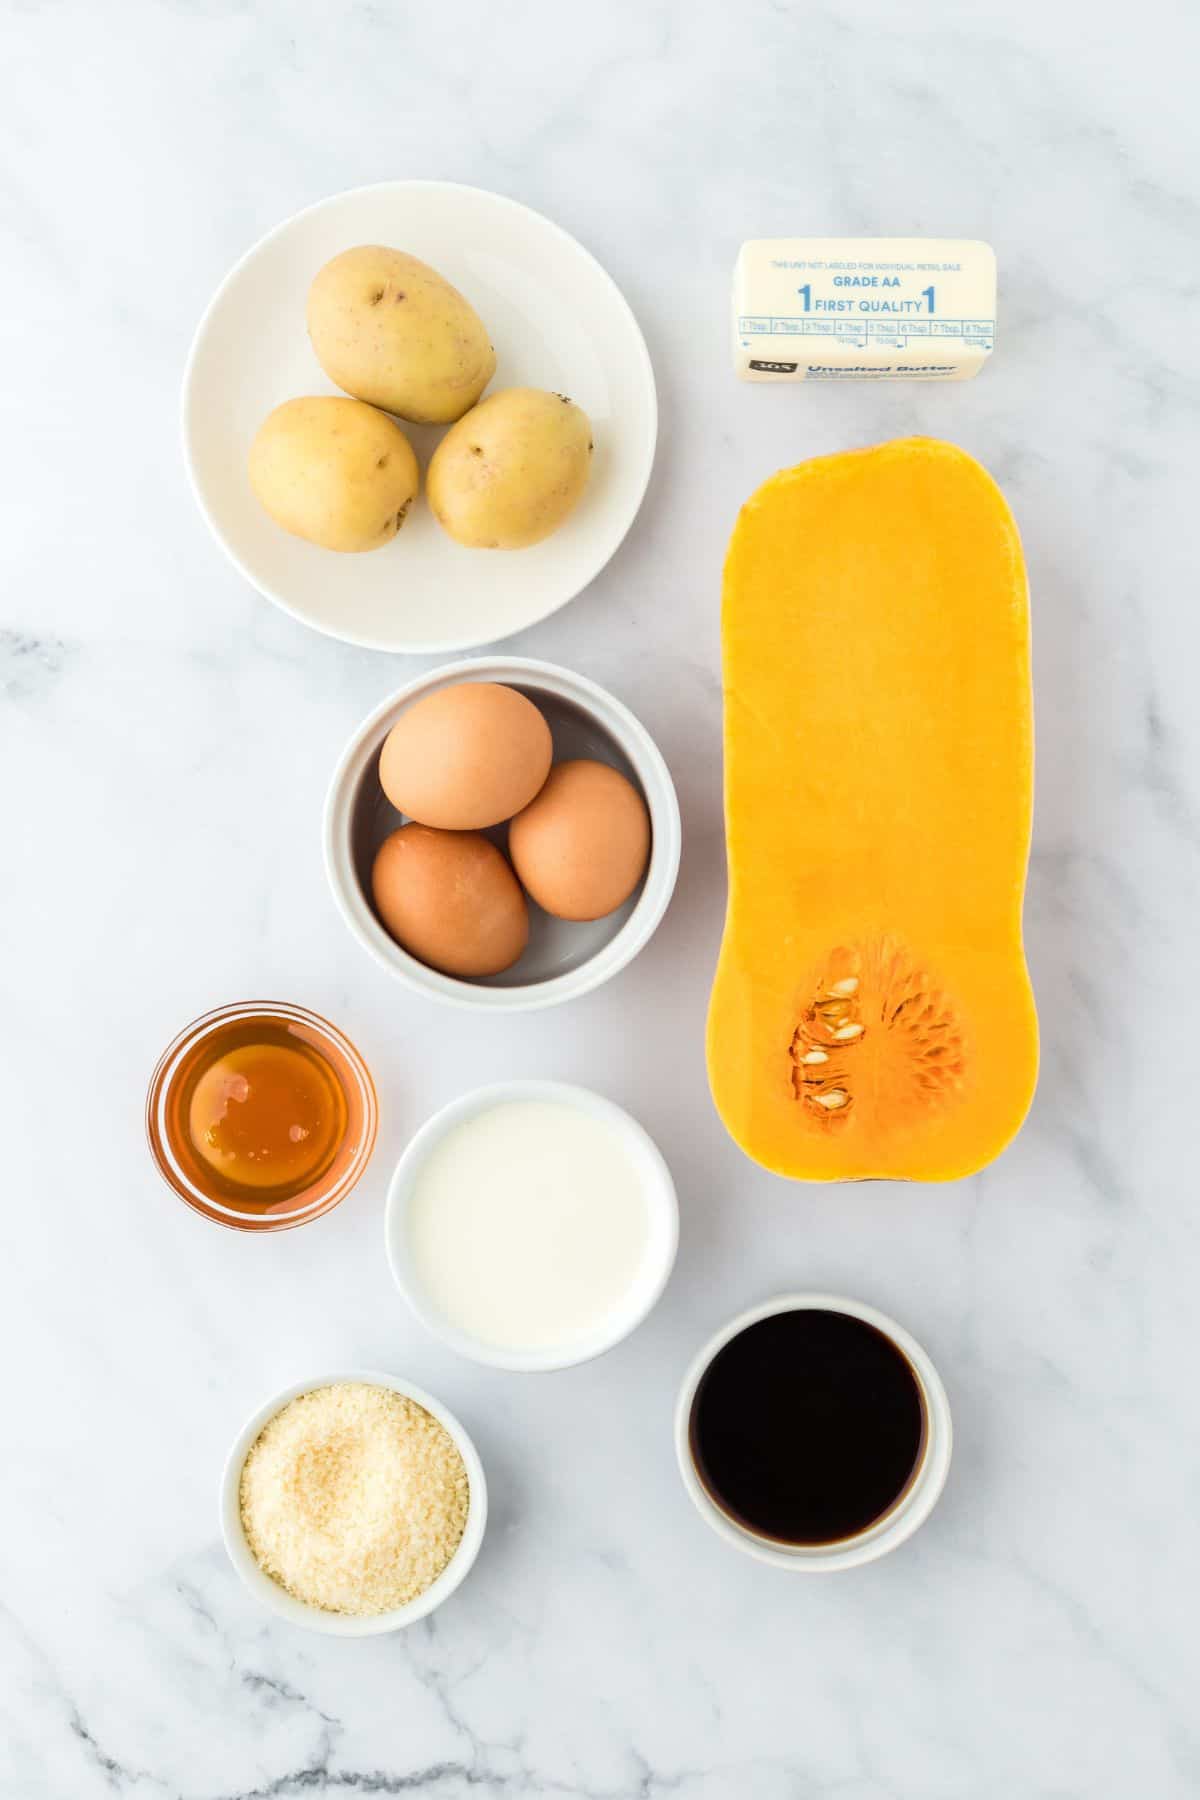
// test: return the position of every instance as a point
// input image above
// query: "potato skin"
(334, 471)
(510, 472)
(389, 329)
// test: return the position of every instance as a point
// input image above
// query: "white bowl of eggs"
(502, 834)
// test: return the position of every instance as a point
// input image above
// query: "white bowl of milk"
(531, 1225)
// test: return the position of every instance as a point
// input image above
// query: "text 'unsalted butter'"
(863, 309)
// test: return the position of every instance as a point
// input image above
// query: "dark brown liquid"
(808, 1426)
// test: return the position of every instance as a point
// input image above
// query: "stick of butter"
(863, 309)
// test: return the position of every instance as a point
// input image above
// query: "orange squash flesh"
(872, 1014)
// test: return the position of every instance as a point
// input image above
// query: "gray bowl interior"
(556, 946)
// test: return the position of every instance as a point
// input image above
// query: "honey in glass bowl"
(261, 1115)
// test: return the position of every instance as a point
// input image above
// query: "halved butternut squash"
(872, 1014)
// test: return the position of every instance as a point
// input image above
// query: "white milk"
(529, 1225)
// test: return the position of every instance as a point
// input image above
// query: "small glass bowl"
(331, 1185)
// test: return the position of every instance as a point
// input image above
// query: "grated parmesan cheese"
(354, 1498)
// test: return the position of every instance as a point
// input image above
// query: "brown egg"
(466, 757)
(582, 846)
(450, 899)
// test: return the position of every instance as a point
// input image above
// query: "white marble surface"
(165, 737)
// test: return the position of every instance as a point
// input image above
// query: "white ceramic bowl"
(557, 321)
(660, 1197)
(564, 959)
(900, 1521)
(276, 1598)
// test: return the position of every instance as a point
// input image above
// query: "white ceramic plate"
(557, 321)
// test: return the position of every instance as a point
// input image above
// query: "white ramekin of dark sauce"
(915, 1494)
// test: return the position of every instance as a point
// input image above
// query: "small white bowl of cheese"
(325, 1451)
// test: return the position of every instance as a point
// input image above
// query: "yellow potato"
(389, 329)
(509, 473)
(334, 471)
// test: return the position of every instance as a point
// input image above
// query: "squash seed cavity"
(876, 1033)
